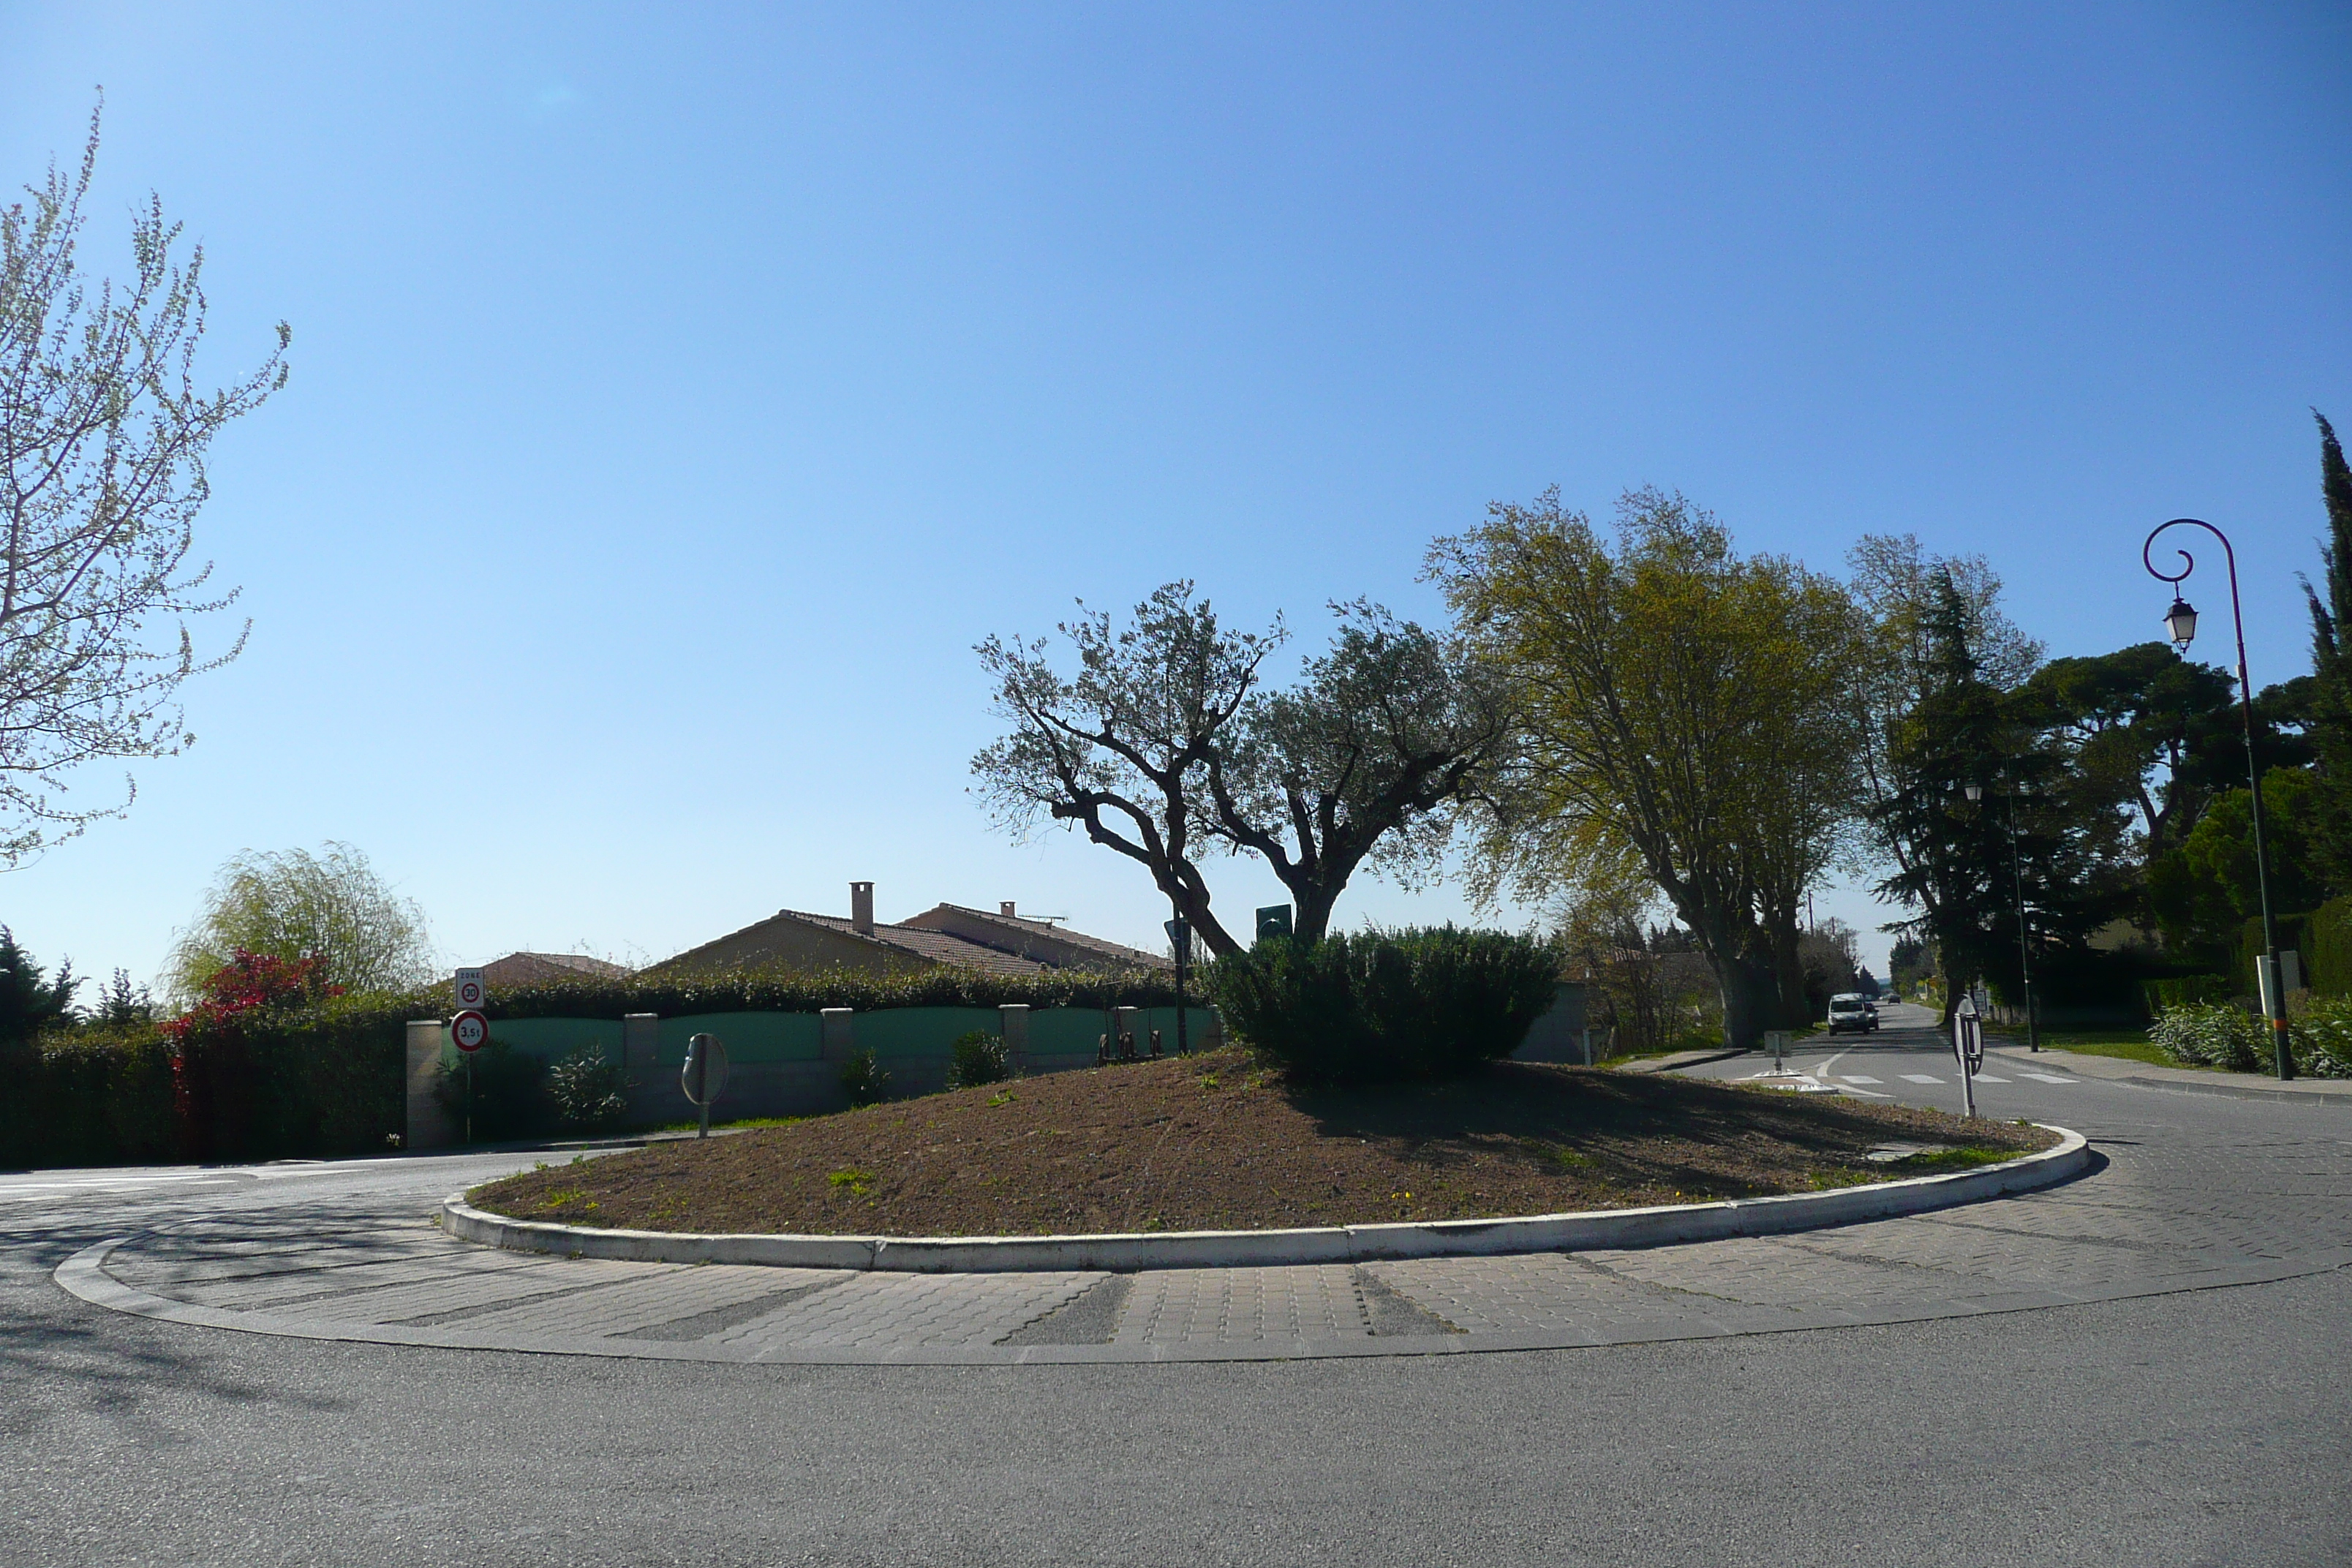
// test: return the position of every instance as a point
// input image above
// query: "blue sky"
(679, 393)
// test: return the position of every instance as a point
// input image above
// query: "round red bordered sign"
(469, 1030)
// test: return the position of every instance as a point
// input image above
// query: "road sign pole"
(469, 1097)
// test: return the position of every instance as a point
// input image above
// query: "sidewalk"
(2195, 1080)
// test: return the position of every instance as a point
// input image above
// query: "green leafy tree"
(103, 433)
(2046, 832)
(2204, 890)
(291, 905)
(2330, 703)
(1933, 625)
(1681, 713)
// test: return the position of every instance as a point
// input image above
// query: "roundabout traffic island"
(1215, 1159)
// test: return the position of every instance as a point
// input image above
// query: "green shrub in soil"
(977, 1058)
(1382, 1007)
(2222, 1036)
(589, 1093)
(863, 1079)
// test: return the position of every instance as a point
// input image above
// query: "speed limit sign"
(470, 1031)
(471, 992)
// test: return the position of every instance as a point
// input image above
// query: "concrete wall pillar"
(429, 1126)
(838, 1033)
(640, 1040)
(1014, 1025)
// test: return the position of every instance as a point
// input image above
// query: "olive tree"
(1166, 746)
(103, 433)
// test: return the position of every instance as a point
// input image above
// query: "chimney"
(1005, 908)
(861, 908)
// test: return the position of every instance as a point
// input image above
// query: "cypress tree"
(2331, 666)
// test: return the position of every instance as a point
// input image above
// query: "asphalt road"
(2204, 1428)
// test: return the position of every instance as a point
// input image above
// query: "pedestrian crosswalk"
(1921, 1078)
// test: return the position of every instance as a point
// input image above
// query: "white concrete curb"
(1241, 1248)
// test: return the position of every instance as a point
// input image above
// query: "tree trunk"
(1751, 997)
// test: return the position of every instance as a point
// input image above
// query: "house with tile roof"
(544, 968)
(1003, 943)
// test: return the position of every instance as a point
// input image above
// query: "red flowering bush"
(216, 1078)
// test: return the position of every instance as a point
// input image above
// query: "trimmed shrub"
(1416, 1004)
(2319, 1038)
(863, 1079)
(2212, 1034)
(977, 1057)
(2323, 1037)
(589, 1093)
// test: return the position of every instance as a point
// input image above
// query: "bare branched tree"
(102, 440)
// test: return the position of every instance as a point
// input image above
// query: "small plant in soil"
(865, 1081)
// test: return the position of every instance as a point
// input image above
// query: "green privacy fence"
(753, 1038)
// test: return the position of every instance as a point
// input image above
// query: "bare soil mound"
(1211, 1143)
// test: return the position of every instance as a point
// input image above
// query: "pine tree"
(29, 1003)
(2331, 666)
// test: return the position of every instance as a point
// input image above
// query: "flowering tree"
(102, 440)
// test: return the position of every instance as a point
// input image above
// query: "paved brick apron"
(2174, 1208)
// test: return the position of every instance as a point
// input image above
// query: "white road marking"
(1988, 1078)
(2046, 1077)
(1920, 1077)
(1857, 1077)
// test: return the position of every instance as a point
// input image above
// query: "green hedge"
(2187, 991)
(316, 1081)
(2327, 948)
(786, 990)
(89, 1097)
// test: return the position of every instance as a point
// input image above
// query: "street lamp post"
(2180, 621)
(2024, 955)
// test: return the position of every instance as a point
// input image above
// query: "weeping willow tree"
(1685, 715)
(293, 904)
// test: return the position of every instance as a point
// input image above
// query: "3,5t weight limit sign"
(469, 1031)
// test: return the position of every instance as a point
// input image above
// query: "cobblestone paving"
(2230, 1195)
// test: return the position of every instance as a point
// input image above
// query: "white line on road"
(1920, 1077)
(1857, 1077)
(2046, 1077)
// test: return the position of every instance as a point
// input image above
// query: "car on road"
(1851, 1012)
